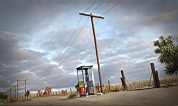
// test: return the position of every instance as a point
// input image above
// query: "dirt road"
(154, 97)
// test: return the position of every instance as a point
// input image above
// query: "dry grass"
(72, 95)
(164, 82)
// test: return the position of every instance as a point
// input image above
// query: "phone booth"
(87, 85)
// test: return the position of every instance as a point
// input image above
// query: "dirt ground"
(151, 97)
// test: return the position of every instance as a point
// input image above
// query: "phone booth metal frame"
(86, 84)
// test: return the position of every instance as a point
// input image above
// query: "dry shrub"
(113, 88)
(72, 95)
(139, 84)
(169, 80)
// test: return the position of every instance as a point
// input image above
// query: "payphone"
(87, 85)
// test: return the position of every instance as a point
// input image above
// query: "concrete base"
(99, 93)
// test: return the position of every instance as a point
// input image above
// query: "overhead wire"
(98, 6)
(75, 37)
(66, 43)
(112, 7)
(73, 40)
(70, 37)
(90, 6)
(76, 27)
(78, 45)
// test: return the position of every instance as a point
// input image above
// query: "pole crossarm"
(91, 15)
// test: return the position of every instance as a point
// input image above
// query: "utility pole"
(96, 46)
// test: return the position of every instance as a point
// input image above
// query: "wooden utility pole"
(96, 46)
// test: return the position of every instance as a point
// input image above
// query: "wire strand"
(66, 43)
(111, 7)
(68, 47)
(98, 6)
(75, 37)
(90, 6)
(70, 37)
(78, 45)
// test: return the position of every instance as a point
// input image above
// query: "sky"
(43, 41)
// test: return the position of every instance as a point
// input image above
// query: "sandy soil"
(153, 97)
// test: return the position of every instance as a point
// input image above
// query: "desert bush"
(72, 95)
(169, 79)
(139, 84)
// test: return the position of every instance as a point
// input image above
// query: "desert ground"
(152, 97)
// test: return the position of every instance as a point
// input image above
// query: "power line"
(98, 6)
(78, 45)
(66, 43)
(70, 37)
(112, 7)
(75, 37)
(70, 44)
(90, 6)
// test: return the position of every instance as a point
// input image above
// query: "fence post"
(154, 74)
(122, 83)
(109, 84)
(157, 79)
(123, 80)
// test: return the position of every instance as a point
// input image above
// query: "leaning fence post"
(154, 74)
(122, 83)
(123, 80)
(157, 79)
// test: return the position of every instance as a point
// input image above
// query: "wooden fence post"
(109, 84)
(122, 83)
(157, 79)
(123, 80)
(70, 91)
(154, 74)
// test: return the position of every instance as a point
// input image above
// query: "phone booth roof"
(83, 67)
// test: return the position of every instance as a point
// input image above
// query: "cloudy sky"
(45, 40)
